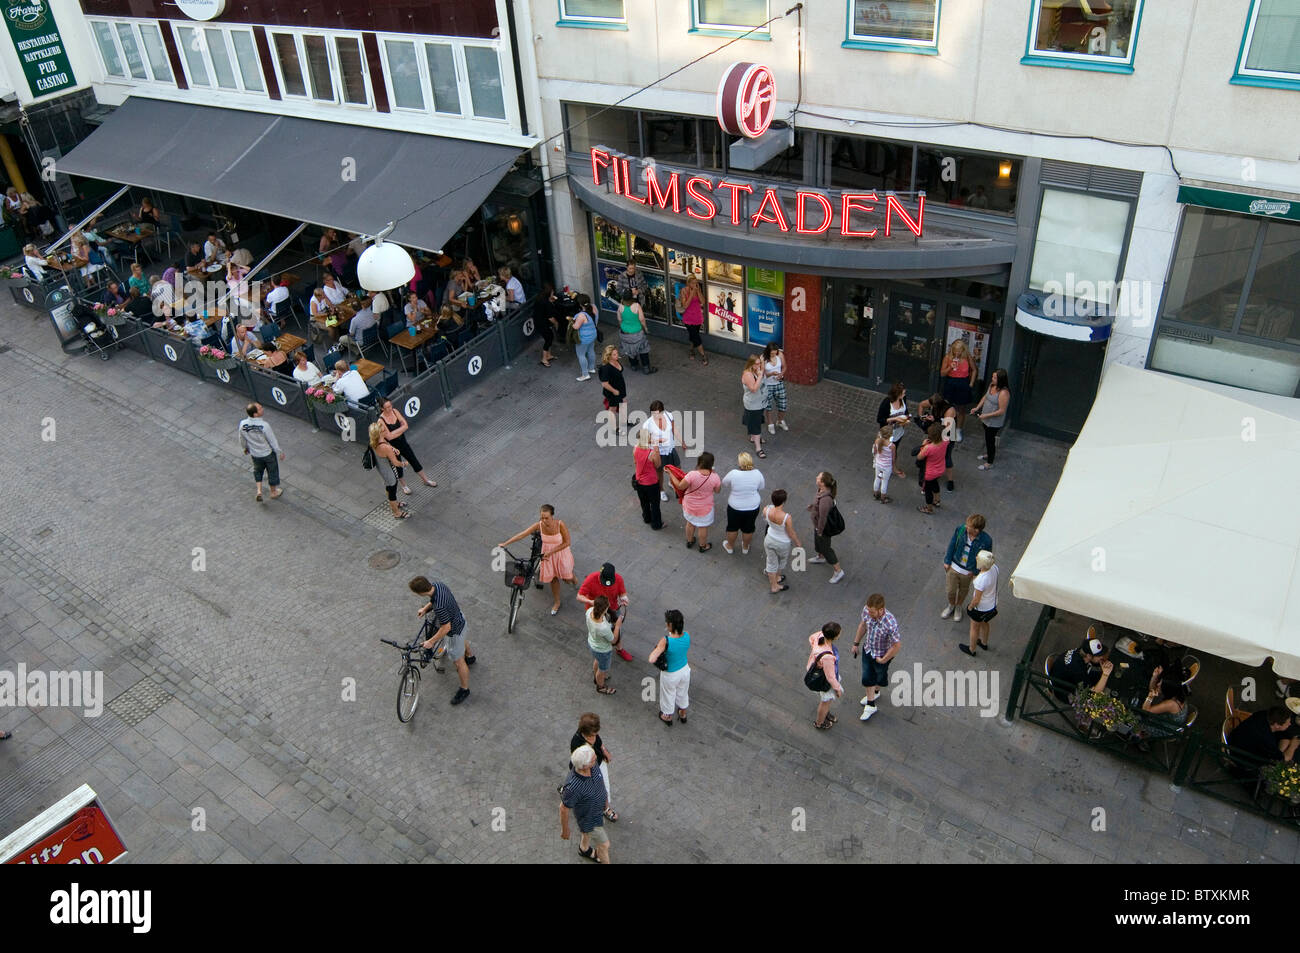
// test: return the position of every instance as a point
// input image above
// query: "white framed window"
(220, 57)
(132, 51)
(730, 16)
(908, 25)
(592, 13)
(448, 77)
(1270, 48)
(1084, 35)
(325, 68)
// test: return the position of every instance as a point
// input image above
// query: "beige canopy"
(1176, 515)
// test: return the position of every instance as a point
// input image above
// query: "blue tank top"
(587, 332)
(676, 651)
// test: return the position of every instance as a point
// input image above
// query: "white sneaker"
(781, 424)
(864, 700)
(867, 712)
(744, 550)
(837, 577)
(957, 437)
(956, 616)
(771, 428)
(946, 613)
(817, 559)
(728, 550)
(663, 497)
(584, 377)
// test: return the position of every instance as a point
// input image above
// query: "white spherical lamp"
(384, 265)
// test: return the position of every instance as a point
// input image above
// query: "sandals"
(825, 725)
(589, 854)
(681, 715)
(886, 499)
(705, 360)
(706, 547)
(690, 543)
(782, 589)
(667, 721)
(927, 510)
(406, 490)
(762, 454)
(6, 735)
(402, 515)
(606, 690)
(611, 815)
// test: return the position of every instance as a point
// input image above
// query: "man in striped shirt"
(451, 626)
(880, 639)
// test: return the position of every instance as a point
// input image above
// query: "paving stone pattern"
(227, 686)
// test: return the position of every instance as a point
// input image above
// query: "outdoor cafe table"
(289, 342)
(132, 233)
(368, 369)
(413, 342)
(345, 312)
(66, 264)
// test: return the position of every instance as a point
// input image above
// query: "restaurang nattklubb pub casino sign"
(745, 107)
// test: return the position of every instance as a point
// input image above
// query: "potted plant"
(218, 358)
(13, 274)
(1282, 779)
(322, 396)
(1094, 710)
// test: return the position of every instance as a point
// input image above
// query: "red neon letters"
(892, 205)
(800, 221)
(710, 207)
(661, 198)
(851, 202)
(777, 214)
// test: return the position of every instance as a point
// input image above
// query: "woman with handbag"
(584, 325)
(700, 486)
(820, 509)
(958, 373)
(648, 463)
(669, 656)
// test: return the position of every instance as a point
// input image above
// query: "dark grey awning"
(350, 177)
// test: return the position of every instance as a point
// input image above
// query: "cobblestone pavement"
(227, 685)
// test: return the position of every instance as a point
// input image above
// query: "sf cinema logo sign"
(746, 100)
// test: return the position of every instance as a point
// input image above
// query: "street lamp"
(384, 265)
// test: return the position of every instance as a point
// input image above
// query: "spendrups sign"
(39, 46)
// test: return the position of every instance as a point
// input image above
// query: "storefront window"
(352, 70)
(442, 77)
(591, 126)
(897, 23)
(108, 49)
(713, 147)
(403, 74)
(796, 164)
(483, 66)
(286, 49)
(221, 64)
(670, 138)
(1075, 30)
(1080, 240)
(1272, 45)
(193, 48)
(249, 66)
(153, 47)
(134, 61)
(1227, 360)
(985, 183)
(1273, 305)
(858, 163)
(1210, 265)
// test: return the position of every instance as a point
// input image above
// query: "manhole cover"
(384, 559)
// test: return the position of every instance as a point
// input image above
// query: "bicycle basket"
(516, 573)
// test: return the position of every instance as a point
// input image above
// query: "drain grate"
(139, 701)
(381, 517)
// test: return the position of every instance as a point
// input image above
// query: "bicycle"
(519, 573)
(408, 676)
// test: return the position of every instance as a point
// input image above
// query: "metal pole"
(263, 263)
(82, 224)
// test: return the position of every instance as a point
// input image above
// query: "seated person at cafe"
(170, 274)
(112, 295)
(34, 262)
(349, 383)
(138, 280)
(363, 319)
(148, 214)
(194, 259)
(160, 290)
(449, 320)
(304, 370)
(514, 287)
(319, 303)
(138, 305)
(243, 343)
(1077, 666)
(274, 358)
(457, 286)
(196, 329)
(416, 310)
(1263, 735)
(214, 249)
(334, 290)
(277, 295)
(1165, 707)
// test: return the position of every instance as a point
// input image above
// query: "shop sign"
(746, 100)
(698, 196)
(202, 9)
(39, 46)
(765, 313)
(76, 830)
(1267, 206)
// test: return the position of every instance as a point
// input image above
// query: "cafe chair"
(436, 351)
(385, 386)
(386, 334)
(268, 333)
(1192, 666)
(369, 338)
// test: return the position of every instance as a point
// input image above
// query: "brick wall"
(803, 328)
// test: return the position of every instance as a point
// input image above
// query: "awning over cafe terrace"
(1173, 517)
(350, 177)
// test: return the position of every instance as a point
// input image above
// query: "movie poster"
(646, 253)
(683, 263)
(609, 275)
(656, 298)
(726, 310)
(726, 271)
(611, 240)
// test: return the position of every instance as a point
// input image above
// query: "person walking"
(663, 428)
(258, 441)
(397, 427)
(612, 384)
(959, 564)
(632, 334)
(608, 583)
(450, 626)
(992, 411)
(584, 324)
(937, 410)
(675, 678)
(745, 486)
(585, 795)
(557, 551)
(690, 305)
(958, 374)
(820, 509)
(700, 487)
(893, 411)
(778, 541)
(822, 672)
(588, 733)
(602, 636)
(646, 476)
(389, 463)
(882, 461)
(774, 387)
(983, 602)
(930, 458)
(754, 400)
(880, 639)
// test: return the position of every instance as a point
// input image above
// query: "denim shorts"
(873, 672)
(603, 659)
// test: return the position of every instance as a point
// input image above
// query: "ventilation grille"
(1093, 178)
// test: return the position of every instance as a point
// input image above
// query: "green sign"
(766, 281)
(39, 46)
(1266, 206)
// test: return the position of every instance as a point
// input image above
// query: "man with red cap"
(609, 584)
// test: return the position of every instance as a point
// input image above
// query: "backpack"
(834, 522)
(368, 459)
(815, 679)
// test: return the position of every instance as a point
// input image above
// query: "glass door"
(973, 325)
(1058, 384)
(912, 354)
(853, 330)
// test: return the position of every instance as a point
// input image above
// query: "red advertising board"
(83, 835)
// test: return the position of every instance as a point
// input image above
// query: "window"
(483, 66)
(352, 70)
(404, 74)
(318, 68)
(286, 51)
(729, 15)
(1084, 34)
(441, 60)
(1079, 244)
(209, 60)
(968, 180)
(598, 13)
(463, 79)
(1270, 50)
(911, 25)
(1210, 267)
(132, 51)
(670, 139)
(858, 163)
(597, 126)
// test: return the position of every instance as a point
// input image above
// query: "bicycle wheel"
(516, 600)
(408, 693)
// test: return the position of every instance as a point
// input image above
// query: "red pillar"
(803, 328)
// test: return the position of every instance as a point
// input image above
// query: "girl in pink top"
(690, 306)
(699, 485)
(932, 451)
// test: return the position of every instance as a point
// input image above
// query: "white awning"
(1174, 516)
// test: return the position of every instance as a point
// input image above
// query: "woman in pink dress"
(557, 554)
(699, 487)
(690, 305)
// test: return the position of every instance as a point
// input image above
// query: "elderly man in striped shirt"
(880, 639)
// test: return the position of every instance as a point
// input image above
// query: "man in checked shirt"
(880, 640)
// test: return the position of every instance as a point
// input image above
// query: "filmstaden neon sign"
(693, 195)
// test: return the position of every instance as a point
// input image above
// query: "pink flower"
(219, 354)
(329, 398)
(112, 311)
(205, 350)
